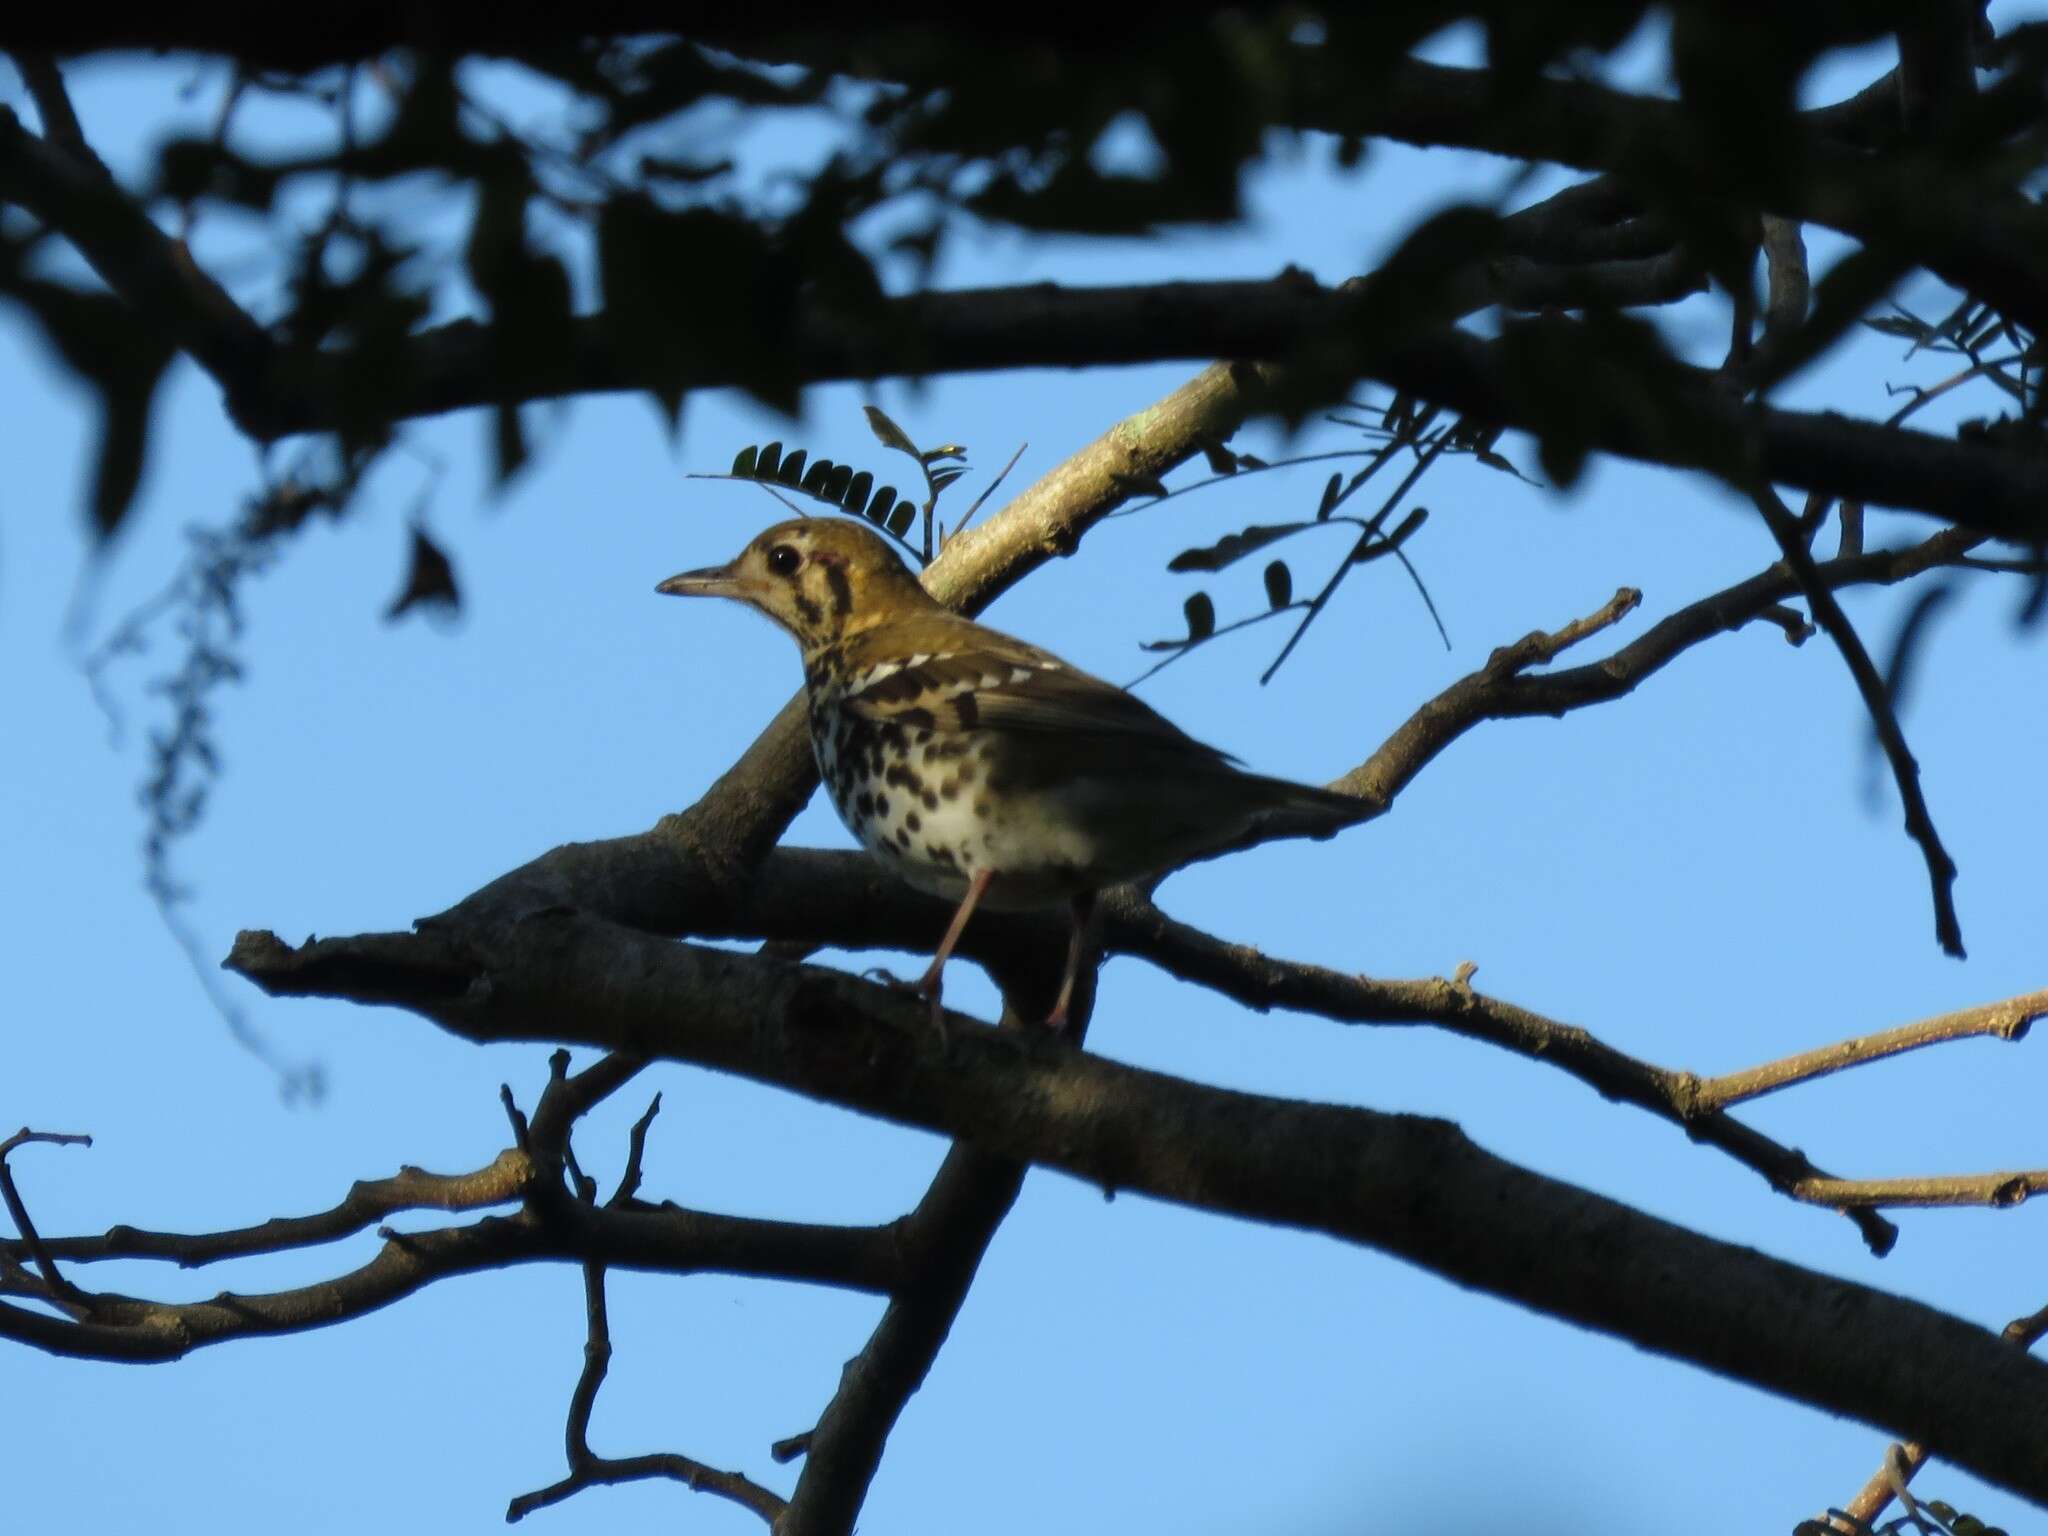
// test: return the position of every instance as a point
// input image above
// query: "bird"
(980, 768)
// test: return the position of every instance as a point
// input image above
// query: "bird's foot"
(891, 980)
(927, 987)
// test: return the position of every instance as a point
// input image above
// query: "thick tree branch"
(1413, 1187)
(1902, 1461)
(944, 1240)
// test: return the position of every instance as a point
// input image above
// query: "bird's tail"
(1301, 810)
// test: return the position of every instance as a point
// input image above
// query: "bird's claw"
(926, 987)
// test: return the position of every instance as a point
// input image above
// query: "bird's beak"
(712, 581)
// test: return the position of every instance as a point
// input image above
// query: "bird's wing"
(980, 680)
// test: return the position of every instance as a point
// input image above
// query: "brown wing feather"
(967, 677)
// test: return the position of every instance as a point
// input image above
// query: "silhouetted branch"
(1941, 869)
(1413, 1187)
(586, 1468)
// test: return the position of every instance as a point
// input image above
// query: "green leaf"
(943, 451)
(888, 433)
(1279, 584)
(1233, 547)
(855, 497)
(884, 503)
(901, 519)
(743, 462)
(941, 478)
(817, 476)
(1201, 615)
(836, 483)
(792, 470)
(769, 461)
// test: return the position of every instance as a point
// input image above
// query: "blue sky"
(1696, 873)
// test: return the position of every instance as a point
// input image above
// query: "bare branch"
(60, 1289)
(1413, 1187)
(943, 1242)
(1941, 869)
(2007, 1020)
(368, 1202)
(1993, 1189)
(586, 1468)
(666, 1239)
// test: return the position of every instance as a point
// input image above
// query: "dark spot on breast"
(921, 738)
(900, 776)
(966, 708)
(914, 822)
(950, 789)
(881, 805)
(903, 838)
(921, 718)
(892, 735)
(983, 809)
(865, 805)
(931, 801)
(948, 748)
(940, 855)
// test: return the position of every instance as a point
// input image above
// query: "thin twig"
(586, 1468)
(61, 1289)
(988, 490)
(1941, 869)
(2007, 1020)
(368, 1202)
(1999, 1190)
(636, 1152)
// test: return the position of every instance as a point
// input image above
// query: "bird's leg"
(1077, 950)
(929, 983)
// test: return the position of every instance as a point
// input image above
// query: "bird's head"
(820, 578)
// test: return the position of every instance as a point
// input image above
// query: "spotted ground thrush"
(978, 767)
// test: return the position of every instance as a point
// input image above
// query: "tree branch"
(1412, 1187)
(586, 1468)
(668, 1239)
(2007, 1020)
(1941, 869)
(75, 196)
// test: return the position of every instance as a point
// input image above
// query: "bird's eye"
(783, 559)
